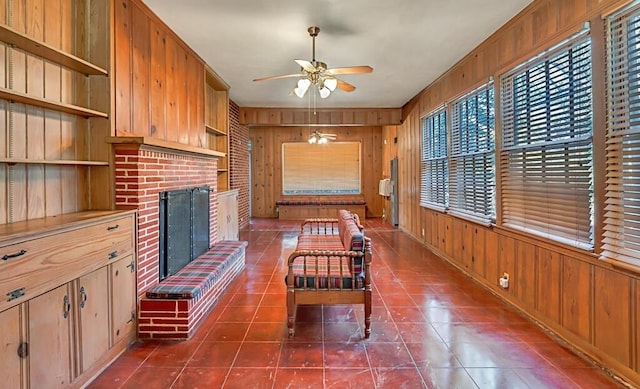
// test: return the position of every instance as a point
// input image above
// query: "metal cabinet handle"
(23, 350)
(83, 296)
(132, 266)
(132, 319)
(113, 254)
(14, 255)
(111, 228)
(67, 307)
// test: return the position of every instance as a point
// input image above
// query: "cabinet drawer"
(34, 266)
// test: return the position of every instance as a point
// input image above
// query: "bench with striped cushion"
(331, 265)
(174, 308)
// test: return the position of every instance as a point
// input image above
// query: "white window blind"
(622, 200)
(434, 169)
(472, 161)
(546, 149)
(321, 169)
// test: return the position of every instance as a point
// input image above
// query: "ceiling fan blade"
(350, 70)
(279, 77)
(306, 65)
(345, 86)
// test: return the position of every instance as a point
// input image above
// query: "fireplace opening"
(184, 228)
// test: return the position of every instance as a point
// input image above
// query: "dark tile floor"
(431, 328)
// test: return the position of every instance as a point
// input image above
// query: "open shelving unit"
(217, 123)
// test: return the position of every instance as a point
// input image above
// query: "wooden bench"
(174, 308)
(331, 265)
(305, 207)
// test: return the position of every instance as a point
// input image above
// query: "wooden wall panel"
(168, 79)
(524, 280)
(266, 160)
(549, 284)
(491, 258)
(612, 327)
(122, 68)
(576, 297)
(479, 252)
(140, 60)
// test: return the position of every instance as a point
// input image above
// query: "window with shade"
(434, 165)
(546, 170)
(621, 241)
(321, 169)
(472, 161)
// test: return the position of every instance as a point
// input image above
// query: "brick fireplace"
(142, 172)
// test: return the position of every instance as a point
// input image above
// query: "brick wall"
(141, 173)
(239, 161)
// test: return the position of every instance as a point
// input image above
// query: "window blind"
(321, 169)
(546, 149)
(434, 165)
(621, 239)
(472, 161)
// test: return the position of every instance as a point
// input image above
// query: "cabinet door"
(50, 348)
(9, 343)
(123, 299)
(92, 305)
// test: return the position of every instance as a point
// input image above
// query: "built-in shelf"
(213, 130)
(222, 170)
(12, 161)
(25, 42)
(24, 98)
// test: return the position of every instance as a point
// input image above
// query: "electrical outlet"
(504, 280)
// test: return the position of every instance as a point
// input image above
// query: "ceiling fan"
(316, 73)
(321, 137)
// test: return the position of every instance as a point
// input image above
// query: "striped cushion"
(321, 202)
(328, 274)
(319, 242)
(193, 280)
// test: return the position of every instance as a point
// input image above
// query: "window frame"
(434, 155)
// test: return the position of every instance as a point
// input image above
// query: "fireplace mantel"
(163, 145)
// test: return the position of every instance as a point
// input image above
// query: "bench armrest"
(319, 226)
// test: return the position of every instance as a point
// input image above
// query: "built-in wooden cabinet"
(228, 225)
(70, 287)
(217, 123)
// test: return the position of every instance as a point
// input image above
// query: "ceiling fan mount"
(318, 74)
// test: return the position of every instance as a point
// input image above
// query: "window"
(472, 165)
(546, 150)
(321, 169)
(434, 169)
(621, 240)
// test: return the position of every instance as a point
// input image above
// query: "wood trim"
(325, 117)
(25, 42)
(163, 144)
(213, 130)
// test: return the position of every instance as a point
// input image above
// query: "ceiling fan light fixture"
(331, 83)
(303, 86)
(324, 92)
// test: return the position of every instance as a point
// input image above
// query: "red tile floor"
(431, 328)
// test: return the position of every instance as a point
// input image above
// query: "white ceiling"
(409, 43)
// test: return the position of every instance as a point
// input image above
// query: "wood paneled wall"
(34, 190)
(158, 80)
(584, 300)
(389, 152)
(266, 164)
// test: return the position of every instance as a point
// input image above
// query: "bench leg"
(367, 314)
(291, 312)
